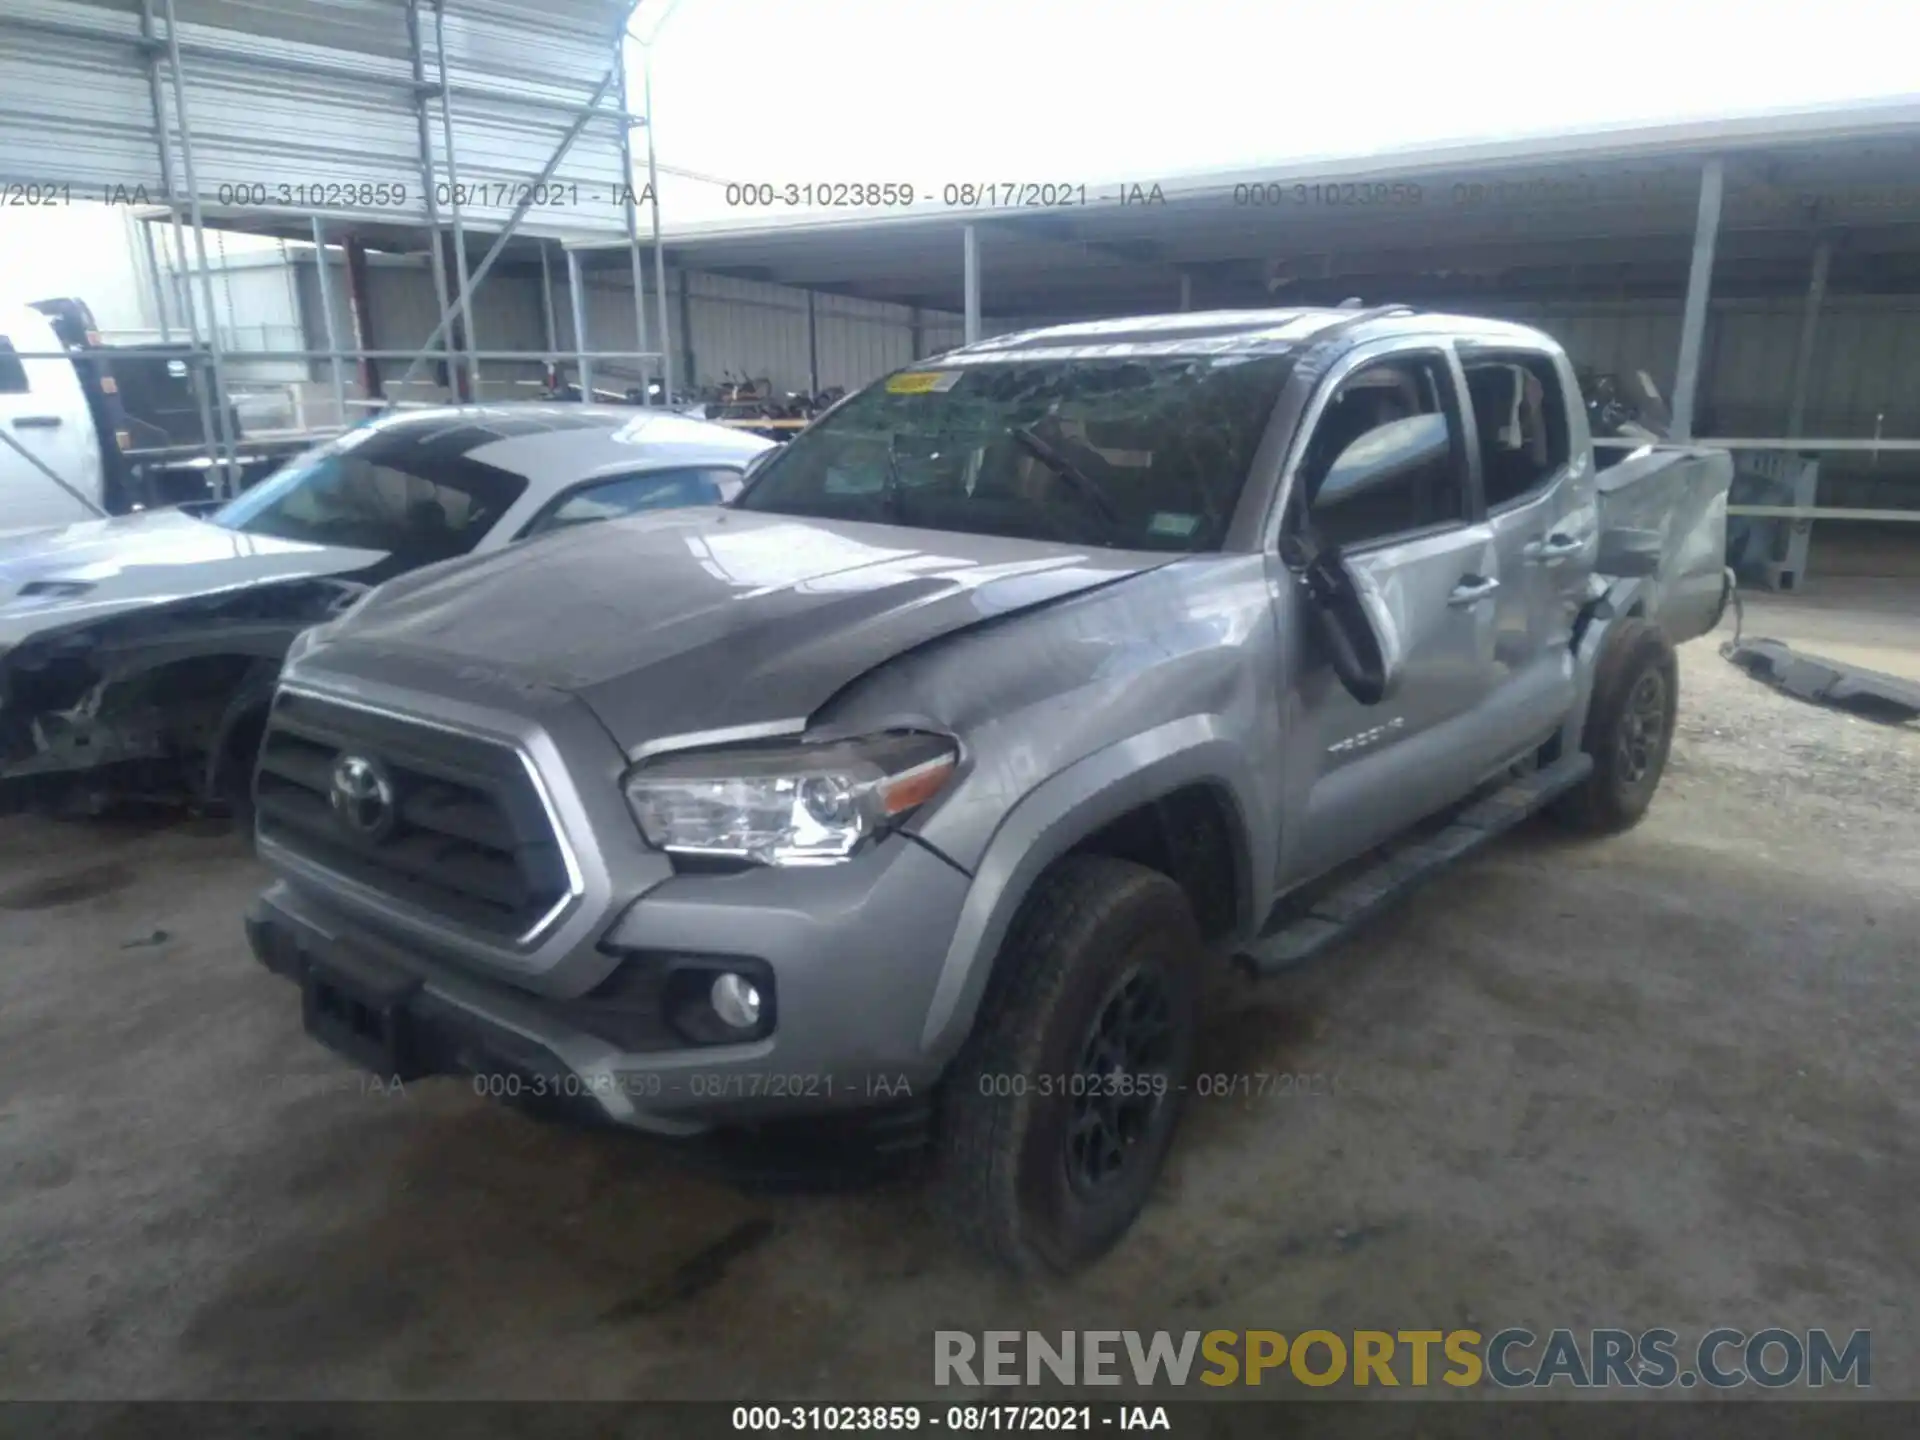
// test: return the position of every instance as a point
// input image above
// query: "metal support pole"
(916, 332)
(659, 250)
(1809, 326)
(686, 336)
(159, 287)
(513, 223)
(1693, 325)
(630, 211)
(464, 302)
(970, 283)
(1186, 291)
(360, 310)
(321, 267)
(547, 318)
(230, 457)
(813, 350)
(577, 297)
(442, 296)
(176, 273)
(1806, 496)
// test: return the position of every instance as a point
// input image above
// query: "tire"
(1629, 730)
(1098, 944)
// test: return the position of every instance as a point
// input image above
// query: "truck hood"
(73, 574)
(708, 619)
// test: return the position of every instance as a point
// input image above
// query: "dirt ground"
(1664, 1080)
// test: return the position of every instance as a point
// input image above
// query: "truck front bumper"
(846, 958)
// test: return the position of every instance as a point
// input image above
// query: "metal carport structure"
(475, 129)
(1816, 206)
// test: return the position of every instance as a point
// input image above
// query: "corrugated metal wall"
(1866, 361)
(76, 106)
(1866, 357)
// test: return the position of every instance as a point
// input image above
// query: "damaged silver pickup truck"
(138, 654)
(923, 783)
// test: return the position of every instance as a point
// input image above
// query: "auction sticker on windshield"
(922, 382)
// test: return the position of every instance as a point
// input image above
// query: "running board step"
(1355, 901)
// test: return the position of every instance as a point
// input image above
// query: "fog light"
(736, 1001)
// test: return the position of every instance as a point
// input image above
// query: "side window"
(1386, 457)
(630, 494)
(1519, 421)
(13, 375)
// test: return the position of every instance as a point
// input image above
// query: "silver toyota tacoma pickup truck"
(919, 785)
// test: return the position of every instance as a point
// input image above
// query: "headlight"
(790, 805)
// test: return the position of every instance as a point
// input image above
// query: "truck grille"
(445, 822)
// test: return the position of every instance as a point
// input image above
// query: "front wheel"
(1060, 1111)
(1629, 731)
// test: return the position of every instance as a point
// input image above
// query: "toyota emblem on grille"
(362, 796)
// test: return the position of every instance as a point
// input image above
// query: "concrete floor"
(1668, 1079)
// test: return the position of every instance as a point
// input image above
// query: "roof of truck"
(1223, 332)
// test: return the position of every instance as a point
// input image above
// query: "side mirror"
(1355, 625)
(1385, 454)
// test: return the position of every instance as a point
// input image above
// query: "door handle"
(37, 422)
(1471, 589)
(1554, 548)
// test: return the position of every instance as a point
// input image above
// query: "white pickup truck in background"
(51, 469)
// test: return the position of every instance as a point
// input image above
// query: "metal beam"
(442, 293)
(813, 349)
(288, 64)
(630, 212)
(1057, 230)
(1693, 322)
(360, 310)
(155, 284)
(686, 338)
(321, 265)
(513, 223)
(970, 284)
(229, 442)
(183, 294)
(464, 301)
(1809, 326)
(659, 248)
(1186, 290)
(577, 297)
(549, 322)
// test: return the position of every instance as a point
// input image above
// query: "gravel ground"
(1667, 1079)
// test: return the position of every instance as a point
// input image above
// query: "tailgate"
(1663, 513)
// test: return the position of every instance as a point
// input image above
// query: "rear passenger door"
(1538, 496)
(1377, 768)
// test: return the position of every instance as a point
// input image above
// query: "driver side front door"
(1368, 771)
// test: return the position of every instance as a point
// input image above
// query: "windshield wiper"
(1082, 484)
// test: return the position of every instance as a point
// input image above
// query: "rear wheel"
(1629, 729)
(1061, 1109)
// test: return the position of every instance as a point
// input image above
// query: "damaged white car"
(138, 654)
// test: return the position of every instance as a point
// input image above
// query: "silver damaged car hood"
(709, 619)
(73, 574)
